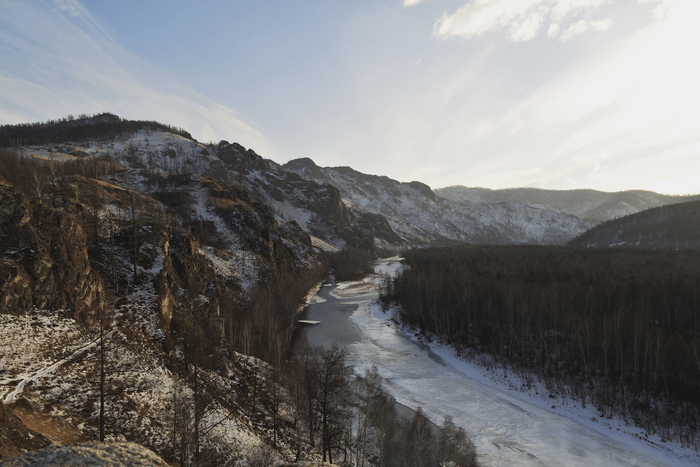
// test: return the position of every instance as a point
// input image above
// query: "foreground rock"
(15, 437)
(308, 464)
(89, 454)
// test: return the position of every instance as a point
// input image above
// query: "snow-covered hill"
(420, 217)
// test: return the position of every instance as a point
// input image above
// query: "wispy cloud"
(662, 9)
(58, 59)
(522, 19)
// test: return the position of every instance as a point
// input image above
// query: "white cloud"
(638, 101)
(662, 9)
(73, 7)
(575, 29)
(414, 2)
(563, 8)
(521, 18)
(554, 30)
(578, 28)
(602, 25)
(618, 117)
(594, 163)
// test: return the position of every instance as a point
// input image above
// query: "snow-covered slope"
(420, 217)
(337, 207)
(50, 363)
(316, 209)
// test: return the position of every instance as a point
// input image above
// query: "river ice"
(508, 428)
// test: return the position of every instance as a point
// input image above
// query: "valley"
(151, 284)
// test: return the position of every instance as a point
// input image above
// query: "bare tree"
(331, 382)
(418, 443)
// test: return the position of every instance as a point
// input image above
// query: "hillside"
(149, 289)
(187, 275)
(147, 145)
(675, 226)
(592, 205)
(421, 218)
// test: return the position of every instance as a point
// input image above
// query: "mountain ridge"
(422, 218)
(594, 205)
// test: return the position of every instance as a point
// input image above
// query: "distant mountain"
(421, 218)
(592, 205)
(674, 226)
(337, 207)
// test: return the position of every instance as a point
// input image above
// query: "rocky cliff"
(45, 261)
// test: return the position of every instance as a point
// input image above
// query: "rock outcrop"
(89, 454)
(44, 261)
(15, 437)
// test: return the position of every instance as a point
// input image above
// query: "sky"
(557, 94)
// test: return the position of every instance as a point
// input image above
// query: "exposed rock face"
(15, 438)
(44, 259)
(316, 207)
(89, 454)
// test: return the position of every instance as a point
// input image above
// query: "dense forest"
(617, 328)
(673, 226)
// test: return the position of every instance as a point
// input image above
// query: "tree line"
(98, 127)
(618, 328)
(350, 264)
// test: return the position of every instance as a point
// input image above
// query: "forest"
(616, 328)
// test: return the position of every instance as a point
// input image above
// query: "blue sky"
(556, 94)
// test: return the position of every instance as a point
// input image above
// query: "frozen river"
(506, 429)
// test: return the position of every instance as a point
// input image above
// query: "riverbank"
(483, 369)
(507, 426)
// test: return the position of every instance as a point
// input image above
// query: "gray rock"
(88, 455)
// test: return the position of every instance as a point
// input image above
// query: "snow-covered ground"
(49, 361)
(509, 427)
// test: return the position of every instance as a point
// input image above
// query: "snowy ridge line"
(10, 398)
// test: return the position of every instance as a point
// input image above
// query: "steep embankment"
(185, 272)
